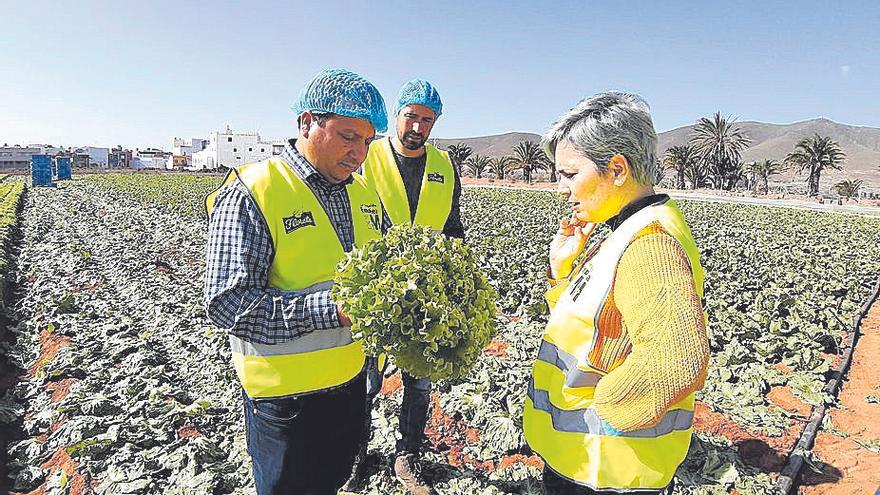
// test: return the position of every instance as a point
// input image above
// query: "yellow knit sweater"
(652, 337)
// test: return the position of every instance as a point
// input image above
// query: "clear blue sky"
(139, 73)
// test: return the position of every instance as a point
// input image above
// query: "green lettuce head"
(420, 298)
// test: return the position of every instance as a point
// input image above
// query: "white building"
(98, 156)
(149, 158)
(182, 151)
(228, 149)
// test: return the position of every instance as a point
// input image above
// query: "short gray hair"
(609, 124)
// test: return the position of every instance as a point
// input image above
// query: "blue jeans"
(305, 445)
(413, 413)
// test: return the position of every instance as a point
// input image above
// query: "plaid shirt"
(237, 295)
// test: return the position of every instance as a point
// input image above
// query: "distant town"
(225, 149)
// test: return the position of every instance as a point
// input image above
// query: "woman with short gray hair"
(611, 398)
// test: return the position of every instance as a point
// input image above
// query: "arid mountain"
(861, 145)
(497, 145)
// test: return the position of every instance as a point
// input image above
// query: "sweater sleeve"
(661, 311)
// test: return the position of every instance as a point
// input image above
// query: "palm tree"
(761, 171)
(719, 144)
(848, 188)
(735, 174)
(549, 166)
(528, 156)
(458, 154)
(815, 154)
(680, 159)
(697, 174)
(478, 164)
(500, 164)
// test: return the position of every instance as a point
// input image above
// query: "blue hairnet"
(344, 93)
(419, 92)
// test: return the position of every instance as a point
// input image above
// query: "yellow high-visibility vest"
(435, 196)
(559, 422)
(307, 250)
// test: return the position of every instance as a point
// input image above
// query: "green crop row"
(184, 194)
(11, 193)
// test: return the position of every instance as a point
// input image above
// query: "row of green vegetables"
(11, 194)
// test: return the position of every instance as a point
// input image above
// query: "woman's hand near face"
(567, 244)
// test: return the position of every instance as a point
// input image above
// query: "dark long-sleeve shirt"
(412, 171)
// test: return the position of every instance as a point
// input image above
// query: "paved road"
(779, 203)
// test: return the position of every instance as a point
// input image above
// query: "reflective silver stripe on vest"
(313, 341)
(588, 421)
(574, 376)
(326, 285)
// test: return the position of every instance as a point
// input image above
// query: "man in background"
(417, 185)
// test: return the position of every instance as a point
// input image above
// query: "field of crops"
(127, 387)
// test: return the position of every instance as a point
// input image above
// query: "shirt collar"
(632, 208)
(304, 169)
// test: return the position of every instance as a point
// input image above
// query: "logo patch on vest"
(436, 177)
(298, 220)
(580, 283)
(372, 214)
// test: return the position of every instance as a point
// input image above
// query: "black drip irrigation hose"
(789, 473)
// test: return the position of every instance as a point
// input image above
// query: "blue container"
(41, 170)
(62, 163)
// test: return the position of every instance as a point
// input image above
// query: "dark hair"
(320, 118)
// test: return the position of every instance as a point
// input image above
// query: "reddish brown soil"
(188, 431)
(50, 345)
(783, 368)
(762, 451)
(784, 398)
(58, 424)
(391, 384)
(497, 348)
(709, 421)
(511, 460)
(61, 388)
(61, 461)
(88, 286)
(850, 467)
(449, 435)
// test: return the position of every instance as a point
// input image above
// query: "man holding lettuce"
(277, 230)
